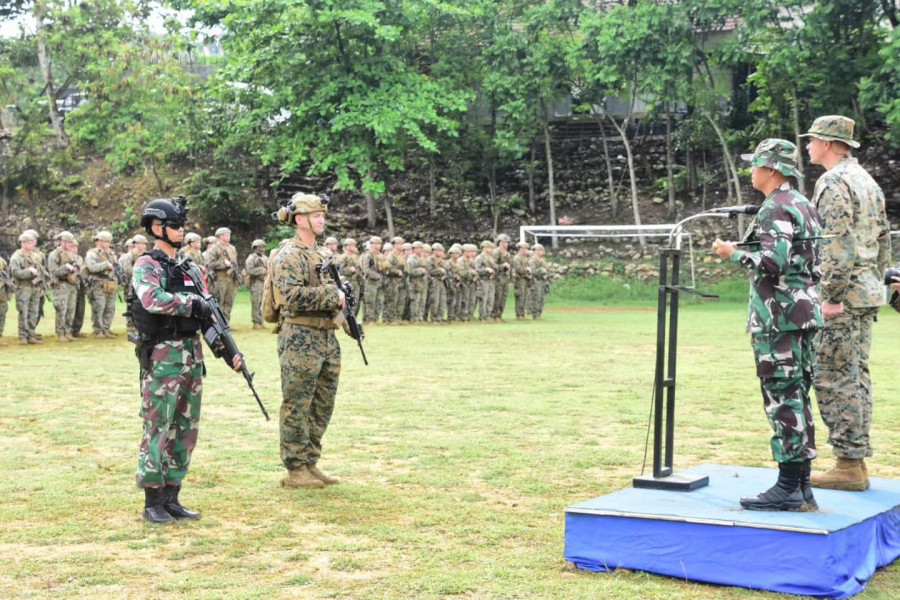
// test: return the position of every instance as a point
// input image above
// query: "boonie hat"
(833, 127)
(777, 154)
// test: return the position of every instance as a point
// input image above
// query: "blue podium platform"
(704, 535)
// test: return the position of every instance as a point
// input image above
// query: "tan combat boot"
(323, 477)
(301, 478)
(62, 339)
(846, 475)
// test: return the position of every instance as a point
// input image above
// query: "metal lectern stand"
(664, 477)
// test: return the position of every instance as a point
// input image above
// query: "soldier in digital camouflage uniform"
(521, 276)
(487, 276)
(437, 284)
(852, 206)
(255, 266)
(453, 282)
(417, 282)
(222, 259)
(308, 349)
(136, 248)
(373, 266)
(99, 264)
(331, 244)
(469, 282)
(64, 265)
(6, 290)
(540, 282)
(170, 315)
(44, 281)
(784, 315)
(504, 271)
(351, 270)
(25, 266)
(394, 299)
(210, 242)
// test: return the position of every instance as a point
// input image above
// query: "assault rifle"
(7, 282)
(355, 329)
(236, 274)
(218, 335)
(121, 279)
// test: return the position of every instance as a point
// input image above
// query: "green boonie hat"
(773, 153)
(139, 239)
(103, 236)
(833, 127)
(257, 243)
(522, 245)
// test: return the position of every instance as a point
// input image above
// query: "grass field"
(459, 448)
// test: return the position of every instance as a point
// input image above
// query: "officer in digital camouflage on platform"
(310, 355)
(854, 259)
(783, 317)
(169, 314)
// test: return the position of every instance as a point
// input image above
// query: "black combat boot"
(153, 506)
(784, 495)
(174, 507)
(806, 488)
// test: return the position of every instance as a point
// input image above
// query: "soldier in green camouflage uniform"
(351, 270)
(417, 283)
(222, 259)
(453, 282)
(521, 276)
(852, 206)
(437, 284)
(308, 349)
(540, 282)
(6, 290)
(64, 265)
(99, 266)
(394, 299)
(256, 265)
(373, 266)
(504, 274)
(169, 315)
(25, 268)
(784, 315)
(487, 276)
(468, 282)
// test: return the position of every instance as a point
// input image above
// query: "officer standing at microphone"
(784, 315)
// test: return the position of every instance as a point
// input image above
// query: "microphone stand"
(664, 476)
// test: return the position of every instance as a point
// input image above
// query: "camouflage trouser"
(256, 294)
(453, 296)
(28, 303)
(500, 294)
(64, 305)
(437, 306)
(416, 291)
(394, 299)
(486, 308)
(170, 407)
(842, 382)
(103, 308)
(521, 292)
(4, 306)
(373, 301)
(78, 320)
(784, 365)
(310, 369)
(468, 299)
(536, 294)
(225, 292)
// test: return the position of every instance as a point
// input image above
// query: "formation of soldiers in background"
(398, 282)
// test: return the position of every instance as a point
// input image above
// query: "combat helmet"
(172, 212)
(301, 204)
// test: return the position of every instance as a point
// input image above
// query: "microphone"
(747, 209)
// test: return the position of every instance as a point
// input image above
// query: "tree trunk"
(56, 120)
(729, 161)
(431, 188)
(613, 195)
(550, 190)
(531, 202)
(691, 166)
(703, 190)
(670, 175)
(371, 218)
(623, 133)
(801, 186)
(389, 215)
(495, 206)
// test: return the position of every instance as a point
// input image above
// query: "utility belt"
(316, 320)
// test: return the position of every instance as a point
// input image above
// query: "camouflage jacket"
(504, 263)
(298, 289)
(466, 268)
(126, 261)
(255, 266)
(373, 265)
(58, 263)
(852, 207)
(396, 265)
(99, 264)
(20, 265)
(521, 270)
(218, 254)
(783, 266)
(437, 268)
(415, 267)
(351, 270)
(539, 270)
(482, 263)
(149, 279)
(6, 284)
(196, 256)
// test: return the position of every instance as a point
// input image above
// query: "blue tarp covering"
(704, 535)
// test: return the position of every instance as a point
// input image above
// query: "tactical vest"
(159, 327)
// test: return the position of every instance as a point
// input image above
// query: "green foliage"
(127, 225)
(880, 91)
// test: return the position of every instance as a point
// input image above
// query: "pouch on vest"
(271, 313)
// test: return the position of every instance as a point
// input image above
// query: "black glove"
(200, 308)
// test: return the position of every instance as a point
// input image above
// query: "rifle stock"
(350, 301)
